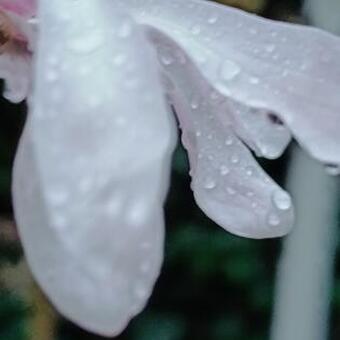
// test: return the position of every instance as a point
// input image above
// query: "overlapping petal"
(228, 184)
(92, 168)
(291, 70)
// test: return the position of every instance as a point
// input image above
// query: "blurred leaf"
(157, 326)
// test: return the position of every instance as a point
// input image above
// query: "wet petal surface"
(291, 70)
(92, 169)
(228, 184)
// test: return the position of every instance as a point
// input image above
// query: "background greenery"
(213, 285)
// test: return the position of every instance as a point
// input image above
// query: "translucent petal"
(261, 130)
(228, 184)
(291, 70)
(92, 168)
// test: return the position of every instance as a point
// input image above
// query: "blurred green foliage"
(213, 286)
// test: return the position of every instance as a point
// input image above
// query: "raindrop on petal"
(209, 184)
(282, 200)
(273, 220)
(229, 70)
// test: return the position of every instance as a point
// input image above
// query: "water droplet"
(333, 169)
(166, 59)
(224, 170)
(209, 183)
(85, 184)
(214, 96)
(282, 200)
(145, 267)
(113, 206)
(145, 245)
(249, 171)
(273, 220)
(195, 103)
(234, 159)
(85, 43)
(137, 214)
(59, 221)
(213, 19)
(270, 48)
(140, 292)
(51, 76)
(58, 197)
(229, 141)
(124, 30)
(250, 194)
(231, 191)
(254, 80)
(119, 59)
(53, 60)
(229, 70)
(196, 30)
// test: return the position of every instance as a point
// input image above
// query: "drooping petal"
(291, 70)
(228, 184)
(92, 168)
(26, 8)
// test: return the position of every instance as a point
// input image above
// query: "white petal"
(261, 130)
(291, 70)
(92, 169)
(228, 184)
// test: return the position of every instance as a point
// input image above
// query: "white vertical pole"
(305, 272)
(306, 266)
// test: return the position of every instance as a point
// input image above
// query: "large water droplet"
(282, 200)
(209, 183)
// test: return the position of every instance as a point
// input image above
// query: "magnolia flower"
(92, 169)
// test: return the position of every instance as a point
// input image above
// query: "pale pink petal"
(228, 184)
(261, 130)
(92, 169)
(291, 70)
